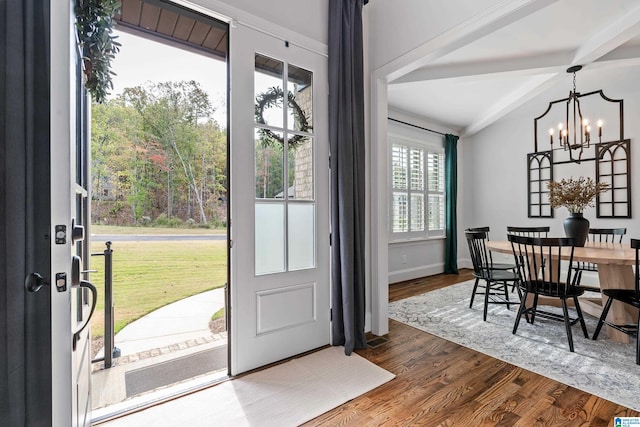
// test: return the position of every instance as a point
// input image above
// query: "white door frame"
(64, 361)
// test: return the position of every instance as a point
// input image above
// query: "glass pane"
(417, 212)
(399, 167)
(267, 84)
(270, 245)
(301, 170)
(435, 171)
(400, 215)
(417, 169)
(436, 212)
(300, 90)
(269, 164)
(302, 234)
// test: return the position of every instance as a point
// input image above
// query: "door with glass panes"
(279, 201)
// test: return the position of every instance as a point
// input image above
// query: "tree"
(171, 113)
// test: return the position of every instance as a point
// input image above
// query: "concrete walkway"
(181, 321)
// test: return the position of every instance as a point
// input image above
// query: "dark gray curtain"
(346, 135)
(25, 344)
(451, 190)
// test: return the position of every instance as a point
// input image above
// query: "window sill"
(416, 240)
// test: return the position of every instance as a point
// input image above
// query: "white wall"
(419, 257)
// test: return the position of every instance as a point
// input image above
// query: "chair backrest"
(479, 229)
(635, 244)
(478, 251)
(528, 231)
(606, 235)
(538, 259)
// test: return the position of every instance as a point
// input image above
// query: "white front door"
(279, 200)
(72, 297)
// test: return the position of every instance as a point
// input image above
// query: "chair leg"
(473, 293)
(506, 295)
(603, 316)
(487, 290)
(522, 307)
(567, 324)
(534, 308)
(584, 326)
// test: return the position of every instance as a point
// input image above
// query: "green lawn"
(149, 275)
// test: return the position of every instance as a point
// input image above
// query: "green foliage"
(157, 149)
(218, 314)
(163, 221)
(94, 26)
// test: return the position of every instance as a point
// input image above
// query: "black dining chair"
(627, 296)
(541, 231)
(495, 280)
(541, 274)
(600, 235)
(494, 265)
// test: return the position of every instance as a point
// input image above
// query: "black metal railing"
(110, 350)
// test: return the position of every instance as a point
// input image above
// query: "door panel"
(280, 200)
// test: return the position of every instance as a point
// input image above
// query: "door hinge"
(331, 314)
(330, 239)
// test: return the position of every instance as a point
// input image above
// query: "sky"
(141, 60)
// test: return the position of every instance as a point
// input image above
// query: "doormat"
(288, 394)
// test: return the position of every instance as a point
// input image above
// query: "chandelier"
(575, 132)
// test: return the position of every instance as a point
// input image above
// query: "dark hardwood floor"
(439, 383)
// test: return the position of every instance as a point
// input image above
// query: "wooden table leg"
(620, 277)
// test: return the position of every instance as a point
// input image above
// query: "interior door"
(279, 200)
(72, 298)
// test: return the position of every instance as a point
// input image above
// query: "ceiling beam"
(492, 19)
(523, 66)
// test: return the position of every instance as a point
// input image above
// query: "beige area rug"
(288, 394)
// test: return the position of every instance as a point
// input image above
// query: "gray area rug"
(603, 368)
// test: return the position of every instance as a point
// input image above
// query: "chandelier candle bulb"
(551, 136)
(600, 129)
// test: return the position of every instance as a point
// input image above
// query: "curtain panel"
(451, 191)
(346, 139)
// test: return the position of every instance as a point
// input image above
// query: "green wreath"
(94, 26)
(273, 98)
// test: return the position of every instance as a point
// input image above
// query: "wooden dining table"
(615, 270)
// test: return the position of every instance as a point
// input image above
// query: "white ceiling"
(492, 66)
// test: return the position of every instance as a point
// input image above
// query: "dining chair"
(542, 231)
(495, 280)
(494, 265)
(541, 273)
(627, 296)
(600, 235)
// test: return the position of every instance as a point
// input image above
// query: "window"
(417, 190)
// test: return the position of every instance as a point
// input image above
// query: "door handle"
(34, 282)
(94, 298)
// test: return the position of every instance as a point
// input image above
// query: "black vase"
(577, 227)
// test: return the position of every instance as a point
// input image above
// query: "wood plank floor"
(439, 383)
